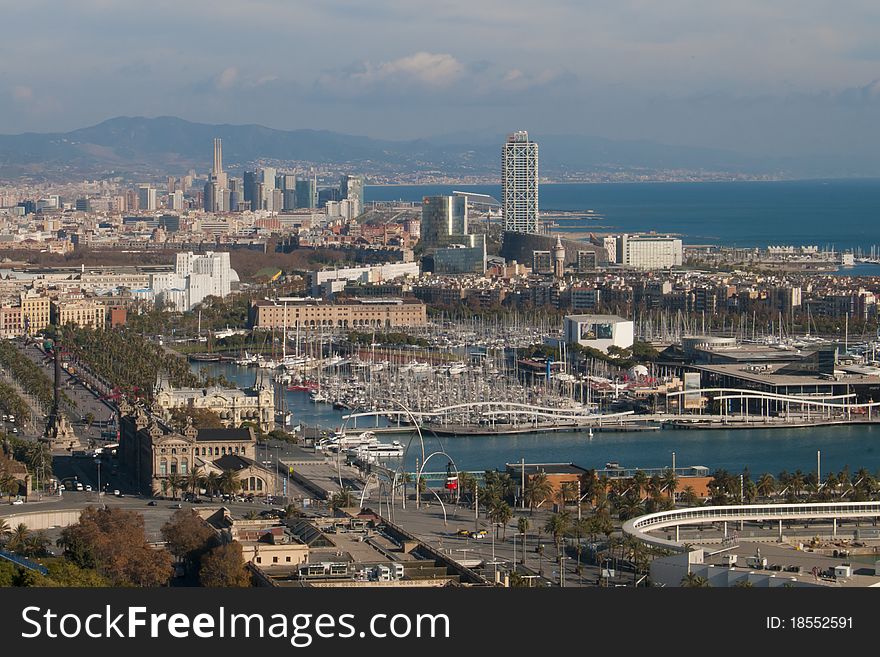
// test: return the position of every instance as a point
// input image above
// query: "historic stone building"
(232, 405)
(152, 453)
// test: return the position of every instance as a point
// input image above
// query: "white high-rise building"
(194, 278)
(649, 251)
(519, 183)
(147, 197)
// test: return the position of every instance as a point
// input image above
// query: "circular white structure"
(638, 528)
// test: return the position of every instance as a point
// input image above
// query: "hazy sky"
(759, 76)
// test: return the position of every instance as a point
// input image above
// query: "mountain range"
(141, 147)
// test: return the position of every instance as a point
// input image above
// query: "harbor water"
(759, 450)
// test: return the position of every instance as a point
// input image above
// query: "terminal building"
(157, 457)
(598, 331)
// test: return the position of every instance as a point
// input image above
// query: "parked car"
(152, 503)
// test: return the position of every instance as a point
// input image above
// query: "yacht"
(374, 451)
(345, 442)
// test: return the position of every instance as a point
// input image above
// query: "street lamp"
(98, 463)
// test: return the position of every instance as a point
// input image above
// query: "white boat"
(344, 441)
(376, 450)
(247, 360)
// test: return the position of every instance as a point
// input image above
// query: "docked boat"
(374, 451)
(346, 442)
(204, 358)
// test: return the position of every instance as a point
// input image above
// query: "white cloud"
(424, 69)
(227, 79)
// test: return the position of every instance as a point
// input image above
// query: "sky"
(763, 77)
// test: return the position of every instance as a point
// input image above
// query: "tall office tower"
(216, 194)
(175, 200)
(442, 217)
(217, 172)
(268, 180)
(352, 187)
(286, 182)
(250, 189)
(519, 183)
(146, 197)
(234, 195)
(307, 193)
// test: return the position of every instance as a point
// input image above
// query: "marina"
(757, 448)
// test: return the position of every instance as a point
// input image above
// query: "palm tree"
(5, 531)
(500, 514)
(557, 525)
(194, 480)
(640, 482)
(8, 484)
(212, 483)
(766, 485)
(797, 483)
(743, 584)
(629, 506)
(689, 496)
(18, 538)
(694, 581)
(229, 482)
(538, 490)
(669, 483)
(35, 545)
(342, 499)
(175, 483)
(466, 481)
(522, 526)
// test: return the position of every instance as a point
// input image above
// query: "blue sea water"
(844, 214)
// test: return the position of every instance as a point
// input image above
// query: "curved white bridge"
(638, 528)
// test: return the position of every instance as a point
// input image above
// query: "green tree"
(499, 515)
(224, 567)
(693, 581)
(342, 499)
(522, 526)
(112, 541)
(17, 541)
(229, 482)
(538, 490)
(557, 526)
(188, 536)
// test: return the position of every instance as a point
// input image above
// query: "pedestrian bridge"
(638, 528)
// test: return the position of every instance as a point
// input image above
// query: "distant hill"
(138, 146)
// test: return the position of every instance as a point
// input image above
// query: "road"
(85, 401)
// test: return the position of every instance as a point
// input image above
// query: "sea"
(843, 214)
(758, 450)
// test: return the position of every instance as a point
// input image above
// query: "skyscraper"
(352, 187)
(306, 193)
(519, 183)
(216, 194)
(443, 217)
(249, 187)
(147, 197)
(286, 182)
